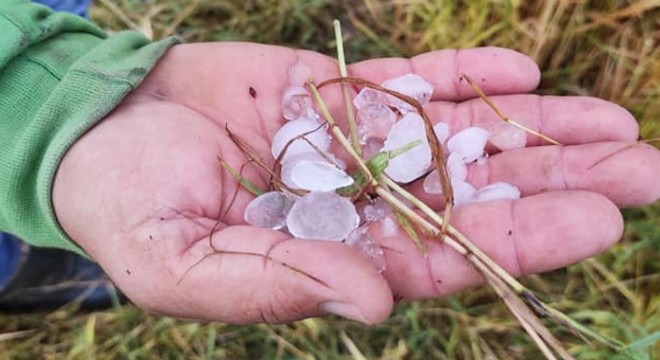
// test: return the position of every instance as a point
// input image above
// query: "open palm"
(142, 191)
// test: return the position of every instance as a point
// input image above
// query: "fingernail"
(345, 310)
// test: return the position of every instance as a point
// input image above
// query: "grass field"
(609, 49)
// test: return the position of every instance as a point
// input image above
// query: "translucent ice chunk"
(374, 121)
(361, 240)
(457, 172)
(388, 226)
(291, 129)
(381, 211)
(507, 137)
(322, 216)
(468, 143)
(441, 131)
(456, 167)
(496, 191)
(463, 191)
(319, 176)
(432, 184)
(483, 159)
(368, 96)
(413, 163)
(291, 161)
(297, 103)
(371, 213)
(412, 85)
(268, 210)
(378, 209)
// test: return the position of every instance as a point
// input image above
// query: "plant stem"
(249, 186)
(339, 135)
(467, 245)
(504, 117)
(541, 335)
(499, 278)
(352, 126)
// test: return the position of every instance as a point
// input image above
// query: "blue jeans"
(78, 7)
(10, 246)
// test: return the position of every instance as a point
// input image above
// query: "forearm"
(59, 75)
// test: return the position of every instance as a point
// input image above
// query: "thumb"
(261, 275)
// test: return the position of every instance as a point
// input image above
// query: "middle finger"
(567, 119)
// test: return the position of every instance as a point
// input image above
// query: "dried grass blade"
(251, 155)
(245, 183)
(539, 332)
(499, 113)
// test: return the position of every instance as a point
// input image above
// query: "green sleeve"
(59, 75)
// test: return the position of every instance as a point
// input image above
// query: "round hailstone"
(361, 240)
(507, 137)
(322, 216)
(378, 209)
(496, 191)
(483, 159)
(291, 129)
(291, 161)
(388, 226)
(374, 121)
(432, 183)
(468, 143)
(413, 163)
(456, 167)
(463, 191)
(412, 85)
(441, 131)
(297, 103)
(268, 210)
(368, 96)
(319, 176)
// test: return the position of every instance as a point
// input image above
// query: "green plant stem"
(249, 186)
(352, 126)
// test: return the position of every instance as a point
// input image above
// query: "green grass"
(609, 49)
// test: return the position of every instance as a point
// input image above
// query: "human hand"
(141, 192)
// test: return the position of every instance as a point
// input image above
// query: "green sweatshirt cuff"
(59, 76)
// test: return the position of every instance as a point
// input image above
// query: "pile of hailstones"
(385, 123)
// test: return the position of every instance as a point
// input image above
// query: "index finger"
(497, 71)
